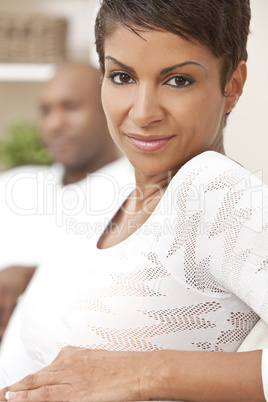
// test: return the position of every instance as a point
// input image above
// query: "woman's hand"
(79, 374)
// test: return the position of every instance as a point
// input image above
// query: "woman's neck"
(149, 189)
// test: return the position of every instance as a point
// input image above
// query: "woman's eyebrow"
(164, 71)
(186, 63)
(124, 66)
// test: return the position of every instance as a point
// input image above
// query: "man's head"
(73, 125)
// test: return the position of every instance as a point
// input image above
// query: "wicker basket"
(32, 39)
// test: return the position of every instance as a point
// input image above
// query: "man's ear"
(234, 87)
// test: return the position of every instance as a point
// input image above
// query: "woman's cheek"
(110, 106)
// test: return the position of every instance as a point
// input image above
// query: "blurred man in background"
(73, 127)
(78, 188)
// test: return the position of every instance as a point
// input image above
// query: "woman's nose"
(146, 108)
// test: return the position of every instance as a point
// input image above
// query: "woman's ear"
(234, 87)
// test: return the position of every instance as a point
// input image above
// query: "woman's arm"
(93, 375)
(265, 372)
(207, 376)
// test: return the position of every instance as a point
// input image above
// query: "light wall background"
(80, 14)
(246, 135)
(19, 100)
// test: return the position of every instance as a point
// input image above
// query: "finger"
(47, 393)
(33, 381)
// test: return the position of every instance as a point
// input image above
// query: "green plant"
(21, 146)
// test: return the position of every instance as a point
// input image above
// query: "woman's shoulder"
(216, 183)
(212, 160)
(213, 168)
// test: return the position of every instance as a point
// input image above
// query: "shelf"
(26, 72)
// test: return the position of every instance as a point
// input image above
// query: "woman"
(181, 270)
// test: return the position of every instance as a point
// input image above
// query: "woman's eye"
(121, 78)
(179, 82)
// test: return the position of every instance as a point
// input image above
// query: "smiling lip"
(150, 143)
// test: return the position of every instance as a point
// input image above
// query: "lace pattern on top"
(194, 277)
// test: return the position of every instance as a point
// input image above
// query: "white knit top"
(194, 276)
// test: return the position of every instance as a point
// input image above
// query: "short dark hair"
(221, 25)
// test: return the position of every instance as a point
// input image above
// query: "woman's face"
(162, 98)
